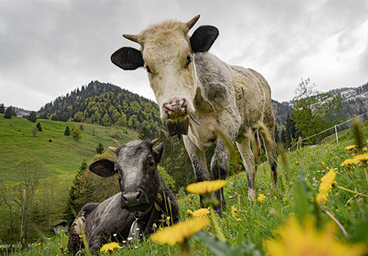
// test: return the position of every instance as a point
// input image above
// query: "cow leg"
(198, 159)
(219, 169)
(248, 162)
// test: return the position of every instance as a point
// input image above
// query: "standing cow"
(142, 202)
(187, 80)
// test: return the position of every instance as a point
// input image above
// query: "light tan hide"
(187, 79)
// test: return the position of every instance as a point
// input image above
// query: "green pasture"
(247, 224)
(62, 155)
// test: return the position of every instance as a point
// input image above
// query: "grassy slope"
(62, 156)
(254, 221)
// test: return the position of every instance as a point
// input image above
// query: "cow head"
(167, 54)
(136, 166)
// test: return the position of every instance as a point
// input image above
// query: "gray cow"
(222, 101)
(142, 202)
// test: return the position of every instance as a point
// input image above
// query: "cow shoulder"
(215, 80)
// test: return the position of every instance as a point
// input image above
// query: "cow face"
(136, 166)
(167, 53)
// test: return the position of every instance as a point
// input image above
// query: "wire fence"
(334, 127)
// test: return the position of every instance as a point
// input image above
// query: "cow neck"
(143, 217)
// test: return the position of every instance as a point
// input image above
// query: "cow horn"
(133, 38)
(193, 21)
(112, 149)
(153, 142)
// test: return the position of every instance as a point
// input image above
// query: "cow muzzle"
(134, 200)
(175, 109)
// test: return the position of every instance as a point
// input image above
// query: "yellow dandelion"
(199, 213)
(205, 187)
(323, 164)
(362, 158)
(348, 148)
(109, 247)
(297, 240)
(238, 219)
(180, 233)
(365, 149)
(234, 211)
(260, 198)
(297, 162)
(326, 186)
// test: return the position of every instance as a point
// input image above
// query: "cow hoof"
(252, 194)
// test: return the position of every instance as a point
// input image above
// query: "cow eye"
(188, 61)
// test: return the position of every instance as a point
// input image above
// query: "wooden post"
(337, 137)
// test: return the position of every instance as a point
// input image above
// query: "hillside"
(105, 104)
(61, 154)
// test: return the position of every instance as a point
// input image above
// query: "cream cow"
(202, 97)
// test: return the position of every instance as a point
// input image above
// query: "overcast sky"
(49, 48)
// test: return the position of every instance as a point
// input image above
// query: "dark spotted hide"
(143, 201)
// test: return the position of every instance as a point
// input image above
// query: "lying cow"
(143, 199)
(219, 98)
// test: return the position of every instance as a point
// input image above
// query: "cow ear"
(157, 151)
(127, 58)
(103, 167)
(203, 38)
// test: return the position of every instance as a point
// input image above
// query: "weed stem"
(336, 221)
(220, 235)
(351, 191)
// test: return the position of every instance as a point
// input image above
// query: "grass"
(248, 224)
(60, 154)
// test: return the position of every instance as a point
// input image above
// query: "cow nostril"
(124, 198)
(139, 195)
(183, 104)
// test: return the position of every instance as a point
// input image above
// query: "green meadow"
(60, 154)
(338, 226)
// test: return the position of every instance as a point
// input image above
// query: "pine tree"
(73, 205)
(8, 113)
(39, 127)
(144, 134)
(32, 117)
(67, 131)
(100, 149)
(2, 109)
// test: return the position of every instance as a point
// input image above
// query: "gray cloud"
(49, 48)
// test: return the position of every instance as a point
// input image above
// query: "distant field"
(63, 155)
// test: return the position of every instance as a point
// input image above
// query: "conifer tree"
(8, 113)
(2, 109)
(39, 127)
(67, 131)
(32, 117)
(100, 149)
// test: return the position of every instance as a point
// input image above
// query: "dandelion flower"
(260, 198)
(180, 233)
(109, 247)
(199, 213)
(296, 240)
(323, 164)
(234, 211)
(205, 187)
(362, 158)
(348, 148)
(326, 186)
